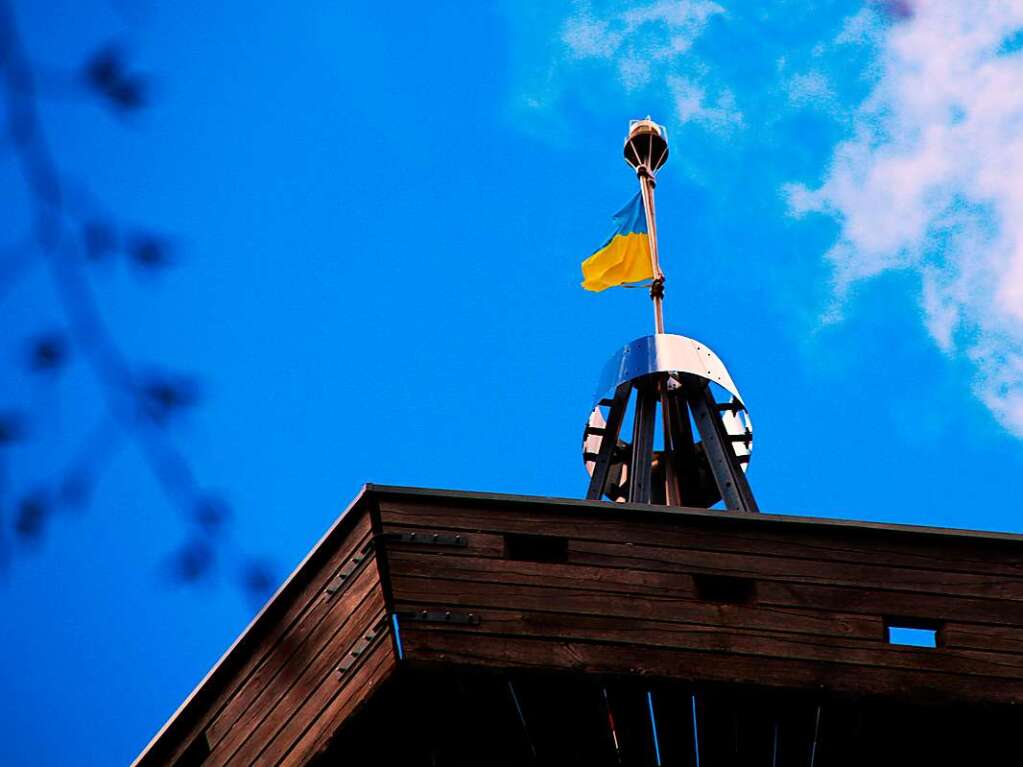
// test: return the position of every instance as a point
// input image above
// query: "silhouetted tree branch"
(140, 404)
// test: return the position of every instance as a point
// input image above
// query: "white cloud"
(809, 89)
(652, 31)
(932, 181)
(587, 37)
(645, 44)
(692, 105)
(863, 27)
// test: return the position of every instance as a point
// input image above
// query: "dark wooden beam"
(609, 442)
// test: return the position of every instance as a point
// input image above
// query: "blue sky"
(377, 215)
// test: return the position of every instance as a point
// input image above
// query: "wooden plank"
(677, 583)
(510, 652)
(858, 575)
(293, 641)
(378, 667)
(427, 591)
(303, 707)
(735, 533)
(981, 636)
(265, 733)
(939, 607)
(603, 580)
(350, 532)
(875, 572)
(345, 618)
(568, 507)
(631, 593)
(722, 644)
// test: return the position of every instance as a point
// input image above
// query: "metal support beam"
(608, 442)
(728, 474)
(642, 442)
(679, 445)
(669, 406)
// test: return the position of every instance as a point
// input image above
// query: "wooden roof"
(411, 578)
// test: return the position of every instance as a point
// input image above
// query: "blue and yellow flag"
(626, 256)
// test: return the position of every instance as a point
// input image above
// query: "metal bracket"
(433, 539)
(349, 569)
(358, 649)
(441, 616)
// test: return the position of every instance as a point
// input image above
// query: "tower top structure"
(706, 430)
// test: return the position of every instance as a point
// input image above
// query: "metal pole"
(640, 480)
(646, 186)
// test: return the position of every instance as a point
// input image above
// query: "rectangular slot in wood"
(911, 633)
(726, 589)
(535, 548)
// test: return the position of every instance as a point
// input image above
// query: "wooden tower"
(637, 627)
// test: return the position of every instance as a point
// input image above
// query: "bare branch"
(139, 405)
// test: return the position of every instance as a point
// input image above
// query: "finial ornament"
(646, 146)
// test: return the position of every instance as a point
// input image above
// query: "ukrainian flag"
(626, 256)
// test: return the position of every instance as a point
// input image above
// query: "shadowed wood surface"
(589, 604)
(624, 596)
(275, 695)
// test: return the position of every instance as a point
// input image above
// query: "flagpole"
(646, 186)
(646, 150)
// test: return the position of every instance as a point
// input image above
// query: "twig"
(64, 255)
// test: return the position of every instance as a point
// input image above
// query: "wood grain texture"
(895, 546)
(625, 591)
(304, 703)
(308, 665)
(820, 597)
(300, 637)
(384, 495)
(282, 614)
(678, 584)
(448, 648)
(470, 582)
(721, 643)
(380, 663)
(621, 610)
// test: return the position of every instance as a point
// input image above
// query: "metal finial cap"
(646, 145)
